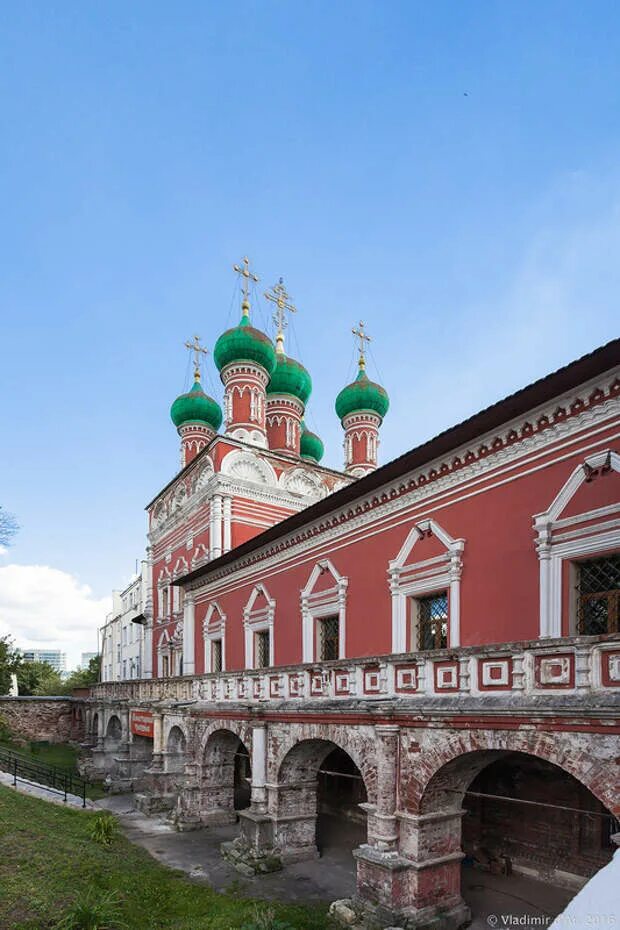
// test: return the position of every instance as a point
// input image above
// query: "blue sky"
(447, 172)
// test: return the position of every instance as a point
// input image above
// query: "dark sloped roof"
(511, 407)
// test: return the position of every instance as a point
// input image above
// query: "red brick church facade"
(442, 633)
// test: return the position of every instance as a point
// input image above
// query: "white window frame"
(409, 580)
(214, 627)
(254, 621)
(559, 540)
(317, 605)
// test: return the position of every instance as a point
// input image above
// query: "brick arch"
(239, 728)
(176, 739)
(113, 728)
(222, 775)
(362, 752)
(453, 767)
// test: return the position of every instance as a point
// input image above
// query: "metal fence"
(59, 780)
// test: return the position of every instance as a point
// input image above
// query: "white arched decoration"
(414, 579)
(564, 539)
(246, 466)
(302, 481)
(163, 585)
(214, 628)
(326, 602)
(256, 620)
(204, 477)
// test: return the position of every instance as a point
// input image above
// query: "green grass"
(49, 858)
(61, 755)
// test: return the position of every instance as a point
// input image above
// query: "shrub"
(90, 912)
(265, 919)
(103, 829)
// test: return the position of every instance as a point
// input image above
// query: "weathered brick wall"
(55, 719)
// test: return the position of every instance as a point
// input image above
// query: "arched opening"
(226, 777)
(527, 815)
(114, 731)
(320, 790)
(175, 750)
(527, 829)
(340, 821)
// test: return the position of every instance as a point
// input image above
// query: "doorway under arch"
(226, 777)
(507, 812)
(320, 798)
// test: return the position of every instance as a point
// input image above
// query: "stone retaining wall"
(55, 719)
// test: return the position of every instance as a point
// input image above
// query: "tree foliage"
(40, 678)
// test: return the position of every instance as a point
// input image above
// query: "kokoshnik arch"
(431, 648)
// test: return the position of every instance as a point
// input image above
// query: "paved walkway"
(40, 791)
(497, 901)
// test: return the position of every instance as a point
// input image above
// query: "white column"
(227, 524)
(399, 614)
(216, 541)
(189, 662)
(259, 766)
(455, 612)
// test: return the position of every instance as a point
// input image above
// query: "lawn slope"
(47, 858)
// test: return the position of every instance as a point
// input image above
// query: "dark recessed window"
(433, 621)
(328, 638)
(261, 649)
(598, 595)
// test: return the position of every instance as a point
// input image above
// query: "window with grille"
(598, 596)
(433, 621)
(328, 638)
(261, 649)
(216, 655)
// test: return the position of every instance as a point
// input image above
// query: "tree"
(10, 660)
(8, 527)
(39, 678)
(84, 677)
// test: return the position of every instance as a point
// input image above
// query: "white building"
(53, 657)
(125, 640)
(86, 657)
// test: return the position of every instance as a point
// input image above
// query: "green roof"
(362, 394)
(311, 447)
(196, 407)
(290, 377)
(243, 343)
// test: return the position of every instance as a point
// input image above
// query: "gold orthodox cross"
(361, 335)
(279, 296)
(198, 350)
(246, 277)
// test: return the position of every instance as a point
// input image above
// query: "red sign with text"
(142, 723)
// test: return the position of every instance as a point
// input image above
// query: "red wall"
(500, 579)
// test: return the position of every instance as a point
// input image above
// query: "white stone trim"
(212, 630)
(325, 603)
(254, 621)
(418, 578)
(554, 548)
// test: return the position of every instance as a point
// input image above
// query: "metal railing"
(58, 780)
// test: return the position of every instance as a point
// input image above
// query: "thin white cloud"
(43, 607)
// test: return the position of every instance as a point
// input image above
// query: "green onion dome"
(362, 394)
(310, 447)
(290, 377)
(196, 407)
(243, 343)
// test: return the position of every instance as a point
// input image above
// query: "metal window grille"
(216, 655)
(329, 628)
(261, 649)
(433, 621)
(598, 600)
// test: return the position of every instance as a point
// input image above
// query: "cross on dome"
(363, 337)
(198, 350)
(246, 277)
(279, 296)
